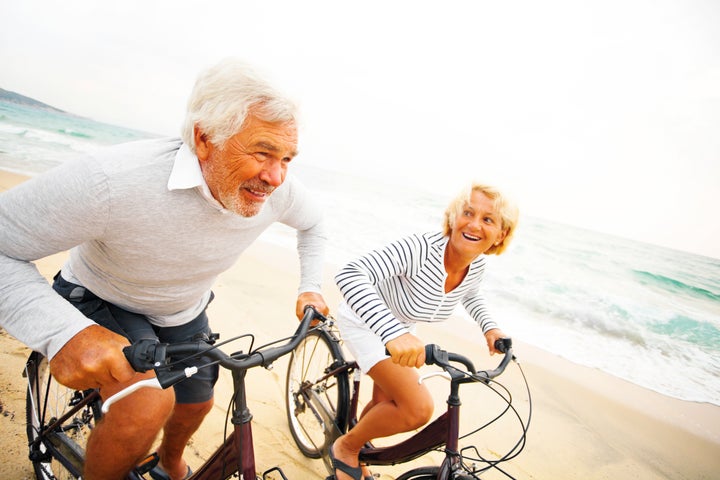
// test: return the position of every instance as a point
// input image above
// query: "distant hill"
(13, 97)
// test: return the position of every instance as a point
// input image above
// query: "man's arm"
(311, 250)
(37, 219)
(31, 311)
(305, 215)
(45, 215)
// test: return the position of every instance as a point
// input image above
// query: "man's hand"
(310, 298)
(491, 336)
(92, 358)
(407, 350)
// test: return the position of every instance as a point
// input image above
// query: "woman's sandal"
(157, 472)
(368, 477)
(354, 472)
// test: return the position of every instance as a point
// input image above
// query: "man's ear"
(202, 144)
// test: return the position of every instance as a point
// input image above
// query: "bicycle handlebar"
(434, 355)
(145, 355)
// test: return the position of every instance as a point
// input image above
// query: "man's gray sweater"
(133, 241)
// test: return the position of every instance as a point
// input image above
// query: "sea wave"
(698, 332)
(12, 129)
(75, 133)
(673, 285)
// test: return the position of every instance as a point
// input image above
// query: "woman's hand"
(407, 350)
(491, 336)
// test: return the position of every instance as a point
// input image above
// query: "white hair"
(222, 97)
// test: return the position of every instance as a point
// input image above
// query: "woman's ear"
(502, 236)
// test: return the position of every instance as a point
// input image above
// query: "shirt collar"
(186, 173)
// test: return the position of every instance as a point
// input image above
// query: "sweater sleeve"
(48, 214)
(359, 279)
(305, 215)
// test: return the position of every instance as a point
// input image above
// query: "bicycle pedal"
(276, 470)
(148, 463)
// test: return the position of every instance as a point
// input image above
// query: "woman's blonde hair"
(504, 206)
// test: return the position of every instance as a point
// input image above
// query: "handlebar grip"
(316, 315)
(432, 352)
(146, 354)
(503, 344)
(435, 355)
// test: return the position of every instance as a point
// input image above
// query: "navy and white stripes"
(404, 282)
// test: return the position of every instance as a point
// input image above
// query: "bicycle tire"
(430, 473)
(420, 473)
(317, 407)
(59, 454)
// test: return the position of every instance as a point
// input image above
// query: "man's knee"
(199, 408)
(192, 412)
(141, 414)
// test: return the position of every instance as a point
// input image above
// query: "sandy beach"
(585, 424)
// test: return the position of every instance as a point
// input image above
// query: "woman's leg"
(399, 404)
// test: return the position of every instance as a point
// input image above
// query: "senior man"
(150, 225)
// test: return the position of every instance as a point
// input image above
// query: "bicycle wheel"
(58, 454)
(431, 473)
(421, 473)
(317, 404)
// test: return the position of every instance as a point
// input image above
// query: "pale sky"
(604, 114)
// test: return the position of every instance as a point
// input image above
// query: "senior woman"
(420, 278)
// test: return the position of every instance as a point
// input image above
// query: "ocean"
(644, 313)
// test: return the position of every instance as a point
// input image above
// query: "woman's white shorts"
(365, 345)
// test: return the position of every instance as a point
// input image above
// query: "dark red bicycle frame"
(444, 430)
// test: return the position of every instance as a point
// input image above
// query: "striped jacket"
(404, 282)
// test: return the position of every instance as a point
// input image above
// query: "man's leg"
(194, 397)
(125, 434)
(183, 422)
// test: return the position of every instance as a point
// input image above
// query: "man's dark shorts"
(133, 326)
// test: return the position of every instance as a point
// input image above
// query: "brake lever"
(150, 382)
(442, 374)
(155, 382)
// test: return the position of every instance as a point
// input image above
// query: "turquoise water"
(33, 140)
(645, 313)
(648, 314)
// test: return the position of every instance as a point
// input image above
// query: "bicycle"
(321, 405)
(59, 419)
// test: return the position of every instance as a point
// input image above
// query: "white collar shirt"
(186, 174)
